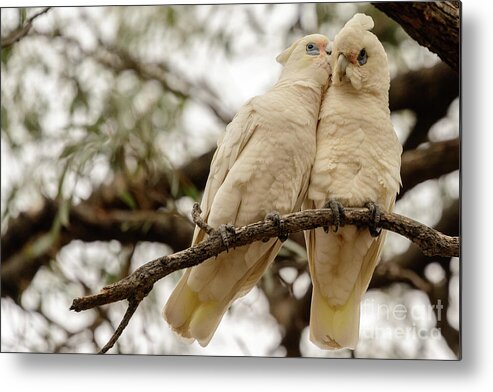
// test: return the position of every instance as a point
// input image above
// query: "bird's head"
(307, 58)
(359, 58)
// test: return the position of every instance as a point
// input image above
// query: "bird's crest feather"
(361, 21)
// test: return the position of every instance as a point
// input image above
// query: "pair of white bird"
(323, 132)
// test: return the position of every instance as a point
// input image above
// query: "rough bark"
(429, 240)
(435, 25)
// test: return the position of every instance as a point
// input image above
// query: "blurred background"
(109, 119)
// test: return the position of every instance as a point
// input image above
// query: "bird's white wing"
(229, 147)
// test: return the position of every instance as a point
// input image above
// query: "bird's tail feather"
(337, 326)
(334, 327)
(193, 319)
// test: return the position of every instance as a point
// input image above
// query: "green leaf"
(128, 199)
(170, 16)
(5, 54)
(42, 244)
(64, 212)
(69, 150)
(31, 122)
(191, 191)
(22, 16)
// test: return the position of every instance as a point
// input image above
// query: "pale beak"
(341, 65)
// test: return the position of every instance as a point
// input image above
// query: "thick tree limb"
(421, 90)
(140, 282)
(291, 313)
(103, 216)
(88, 223)
(435, 25)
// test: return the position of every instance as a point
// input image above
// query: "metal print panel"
(271, 180)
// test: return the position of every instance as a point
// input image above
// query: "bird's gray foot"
(276, 218)
(338, 213)
(374, 218)
(224, 231)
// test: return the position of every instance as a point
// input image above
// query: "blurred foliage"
(109, 87)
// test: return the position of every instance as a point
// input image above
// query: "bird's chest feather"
(349, 162)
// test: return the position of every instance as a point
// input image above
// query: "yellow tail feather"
(334, 327)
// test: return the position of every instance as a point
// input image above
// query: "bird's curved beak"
(341, 65)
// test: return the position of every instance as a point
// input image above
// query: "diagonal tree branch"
(133, 304)
(141, 281)
(432, 161)
(22, 31)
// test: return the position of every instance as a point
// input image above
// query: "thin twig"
(132, 307)
(22, 31)
(120, 60)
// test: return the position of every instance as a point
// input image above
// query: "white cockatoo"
(261, 165)
(357, 164)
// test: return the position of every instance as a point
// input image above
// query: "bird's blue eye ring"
(312, 49)
(362, 57)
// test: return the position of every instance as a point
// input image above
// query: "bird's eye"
(362, 57)
(312, 49)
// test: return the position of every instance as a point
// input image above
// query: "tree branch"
(141, 281)
(103, 216)
(119, 60)
(132, 307)
(89, 223)
(428, 92)
(435, 25)
(22, 31)
(432, 161)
